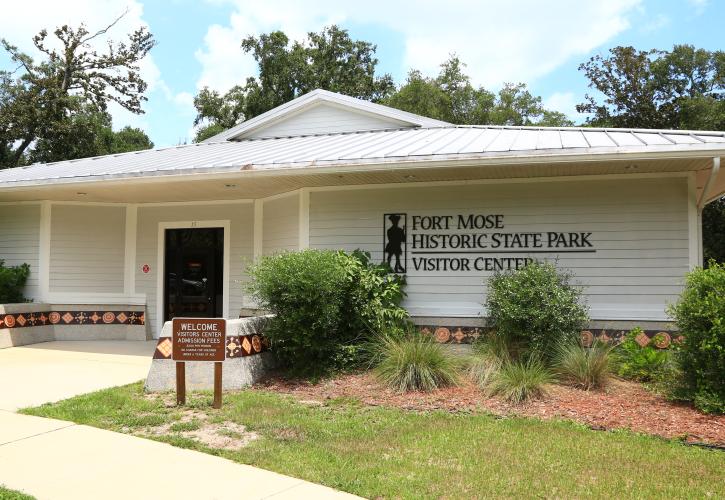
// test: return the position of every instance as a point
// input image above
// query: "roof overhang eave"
(234, 170)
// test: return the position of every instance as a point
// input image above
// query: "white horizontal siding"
(241, 232)
(87, 248)
(323, 119)
(19, 240)
(639, 229)
(280, 225)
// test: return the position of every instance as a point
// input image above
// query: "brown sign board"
(198, 339)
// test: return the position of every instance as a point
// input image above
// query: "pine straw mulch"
(622, 404)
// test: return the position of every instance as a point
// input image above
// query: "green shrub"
(536, 306)
(519, 381)
(12, 281)
(414, 362)
(700, 317)
(375, 295)
(583, 367)
(325, 303)
(644, 364)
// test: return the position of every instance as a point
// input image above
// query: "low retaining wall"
(467, 330)
(247, 360)
(30, 323)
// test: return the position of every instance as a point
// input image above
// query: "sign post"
(198, 339)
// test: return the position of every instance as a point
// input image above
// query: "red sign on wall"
(146, 268)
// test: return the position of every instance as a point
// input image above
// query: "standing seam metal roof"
(348, 148)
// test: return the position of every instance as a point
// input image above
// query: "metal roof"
(323, 96)
(461, 145)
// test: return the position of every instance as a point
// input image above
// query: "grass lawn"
(385, 452)
(6, 494)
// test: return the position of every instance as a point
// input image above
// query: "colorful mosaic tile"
(237, 346)
(467, 335)
(25, 320)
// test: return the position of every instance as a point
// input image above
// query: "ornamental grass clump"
(520, 381)
(482, 368)
(414, 361)
(583, 367)
(483, 364)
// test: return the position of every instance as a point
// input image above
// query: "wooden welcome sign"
(198, 339)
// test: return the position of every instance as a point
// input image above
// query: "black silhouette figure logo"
(395, 241)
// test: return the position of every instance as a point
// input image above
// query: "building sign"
(198, 339)
(394, 238)
(469, 243)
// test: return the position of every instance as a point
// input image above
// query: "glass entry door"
(194, 263)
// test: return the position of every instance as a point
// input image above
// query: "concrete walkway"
(43, 373)
(53, 459)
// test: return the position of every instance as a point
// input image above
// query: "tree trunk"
(18, 153)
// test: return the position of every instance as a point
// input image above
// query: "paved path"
(53, 459)
(51, 371)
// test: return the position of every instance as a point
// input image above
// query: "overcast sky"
(537, 42)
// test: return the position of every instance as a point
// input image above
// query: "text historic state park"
(452, 243)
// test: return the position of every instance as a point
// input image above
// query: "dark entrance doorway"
(194, 266)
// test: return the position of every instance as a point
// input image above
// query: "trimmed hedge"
(326, 305)
(536, 307)
(700, 316)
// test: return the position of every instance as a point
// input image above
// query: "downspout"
(713, 175)
(701, 204)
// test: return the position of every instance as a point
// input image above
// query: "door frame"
(225, 225)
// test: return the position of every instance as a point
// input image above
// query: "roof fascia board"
(234, 171)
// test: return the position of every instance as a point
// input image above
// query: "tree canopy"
(679, 89)
(329, 60)
(56, 109)
(451, 97)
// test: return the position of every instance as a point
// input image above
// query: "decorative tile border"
(661, 339)
(48, 318)
(237, 346)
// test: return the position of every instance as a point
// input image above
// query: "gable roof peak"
(396, 117)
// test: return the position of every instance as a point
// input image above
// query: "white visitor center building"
(119, 244)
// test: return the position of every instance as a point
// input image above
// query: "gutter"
(706, 189)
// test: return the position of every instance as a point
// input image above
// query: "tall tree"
(328, 60)
(86, 133)
(451, 97)
(71, 85)
(679, 89)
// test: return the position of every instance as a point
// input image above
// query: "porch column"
(44, 251)
(129, 256)
(258, 236)
(304, 221)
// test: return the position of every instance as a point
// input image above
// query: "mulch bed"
(622, 404)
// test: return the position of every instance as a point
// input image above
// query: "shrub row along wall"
(22, 324)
